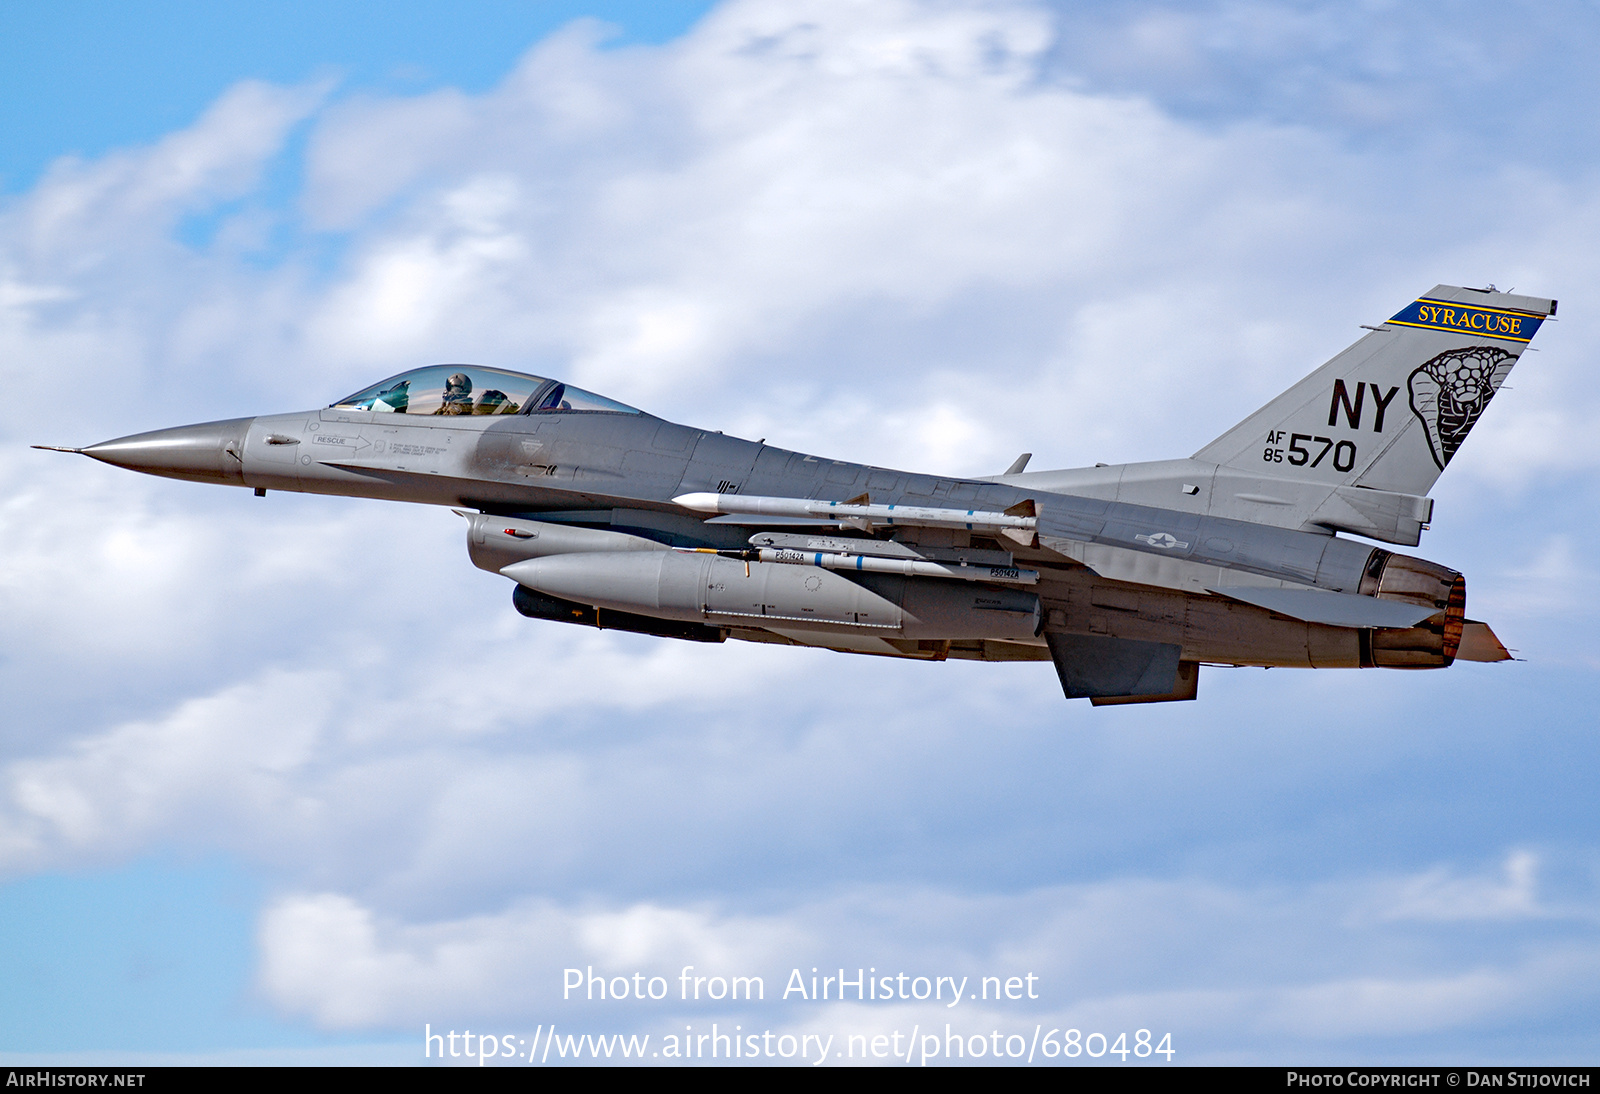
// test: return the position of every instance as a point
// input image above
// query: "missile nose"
(208, 452)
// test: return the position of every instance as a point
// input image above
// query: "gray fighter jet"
(1128, 577)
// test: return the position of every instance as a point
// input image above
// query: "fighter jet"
(1254, 551)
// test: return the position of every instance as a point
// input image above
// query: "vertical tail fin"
(1389, 412)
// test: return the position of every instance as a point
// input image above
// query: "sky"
(287, 780)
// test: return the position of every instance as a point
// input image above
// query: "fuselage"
(619, 469)
(1127, 577)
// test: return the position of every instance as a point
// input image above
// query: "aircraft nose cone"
(209, 452)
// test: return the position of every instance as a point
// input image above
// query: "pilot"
(395, 400)
(493, 401)
(457, 395)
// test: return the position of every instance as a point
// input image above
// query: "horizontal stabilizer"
(1478, 643)
(1332, 609)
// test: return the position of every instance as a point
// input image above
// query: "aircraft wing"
(1063, 524)
(1081, 529)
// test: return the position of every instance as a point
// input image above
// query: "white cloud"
(1072, 948)
(221, 156)
(1440, 895)
(297, 759)
(1540, 593)
(330, 958)
(890, 232)
(215, 760)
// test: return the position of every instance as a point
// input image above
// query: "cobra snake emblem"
(1449, 394)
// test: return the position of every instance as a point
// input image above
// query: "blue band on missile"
(1511, 326)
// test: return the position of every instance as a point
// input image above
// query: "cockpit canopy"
(474, 389)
